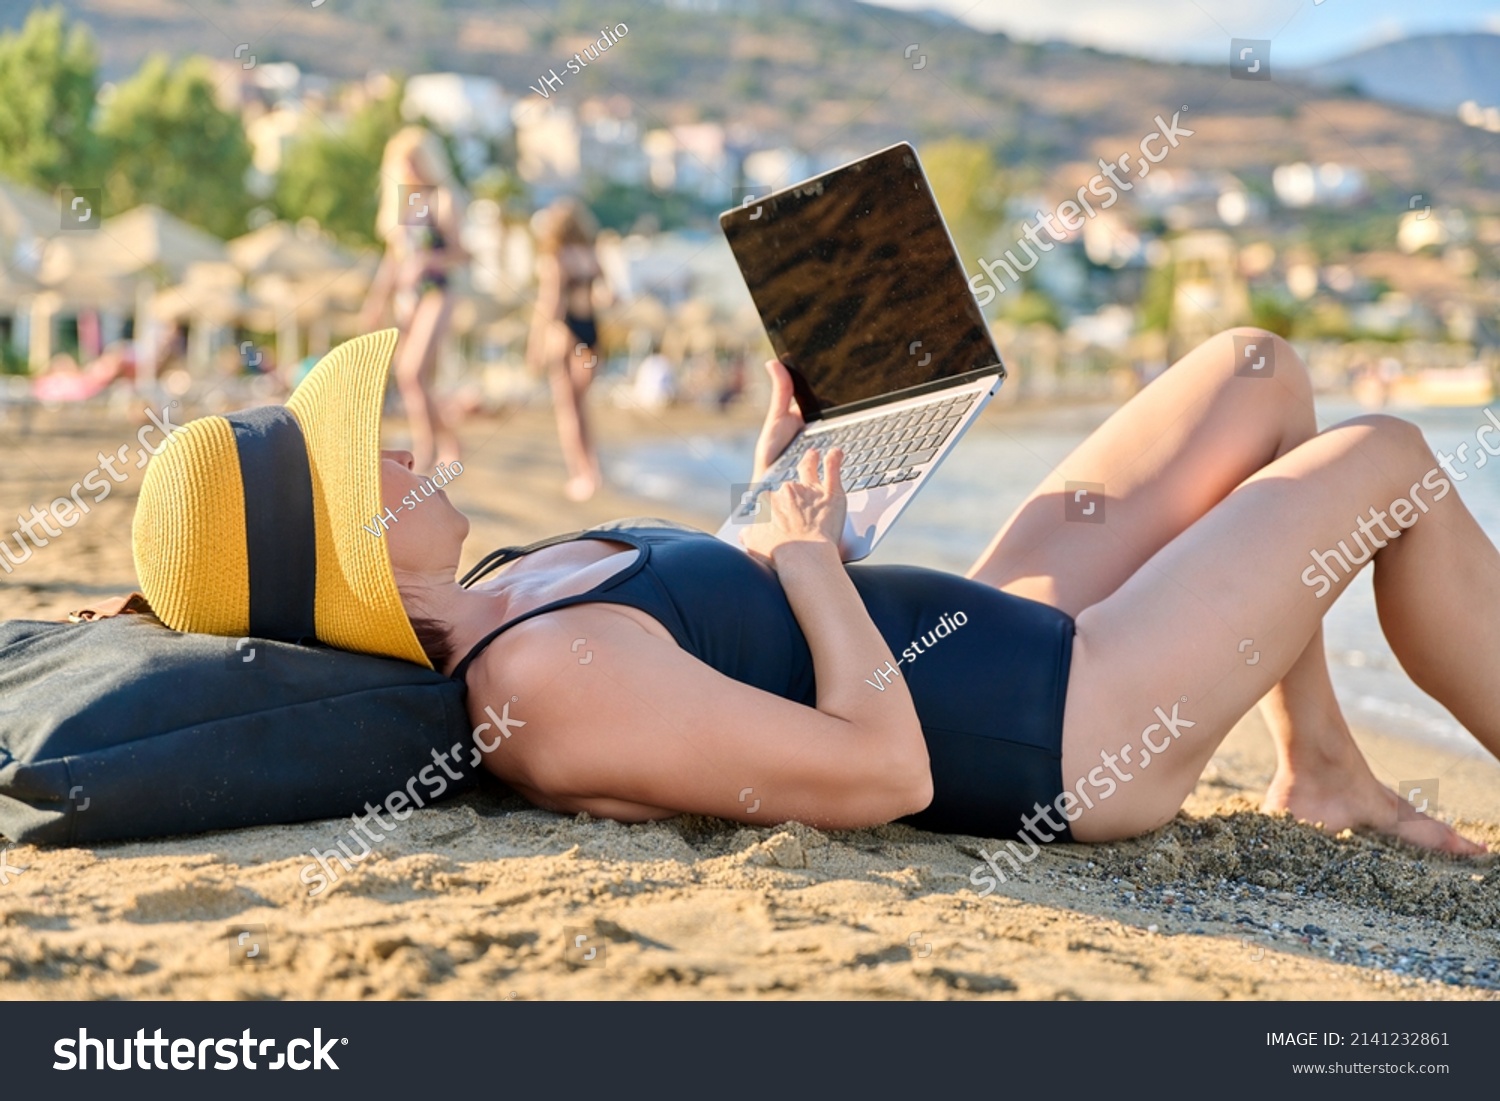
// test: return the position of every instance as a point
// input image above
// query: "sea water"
(1002, 459)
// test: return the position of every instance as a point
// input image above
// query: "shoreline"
(476, 897)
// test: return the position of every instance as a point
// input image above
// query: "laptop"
(866, 302)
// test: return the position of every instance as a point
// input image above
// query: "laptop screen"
(858, 285)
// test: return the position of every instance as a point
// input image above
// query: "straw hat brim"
(193, 545)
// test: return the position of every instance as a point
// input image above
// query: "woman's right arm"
(548, 308)
(642, 729)
(622, 723)
(378, 297)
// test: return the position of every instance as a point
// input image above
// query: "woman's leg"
(1165, 459)
(416, 362)
(445, 438)
(1158, 676)
(571, 373)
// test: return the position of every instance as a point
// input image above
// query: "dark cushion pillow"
(122, 728)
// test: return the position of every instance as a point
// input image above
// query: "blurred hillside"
(836, 72)
(1437, 72)
(1298, 203)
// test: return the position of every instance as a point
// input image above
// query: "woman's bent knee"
(1393, 434)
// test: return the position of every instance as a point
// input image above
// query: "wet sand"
(484, 896)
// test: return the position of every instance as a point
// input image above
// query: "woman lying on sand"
(1076, 682)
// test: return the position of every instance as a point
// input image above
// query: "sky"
(1302, 31)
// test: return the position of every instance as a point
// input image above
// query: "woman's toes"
(1432, 834)
(1369, 806)
(1429, 833)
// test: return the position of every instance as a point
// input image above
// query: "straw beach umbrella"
(144, 248)
(145, 239)
(15, 288)
(283, 249)
(304, 280)
(25, 215)
(27, 218)
(210, 297)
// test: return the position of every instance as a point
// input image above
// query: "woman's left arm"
(382, 286)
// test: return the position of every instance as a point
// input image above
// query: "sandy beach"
(483, 896)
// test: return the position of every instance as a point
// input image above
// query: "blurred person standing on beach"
(421, 212)
(564, 339)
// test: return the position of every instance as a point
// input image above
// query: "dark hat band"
(280, 537)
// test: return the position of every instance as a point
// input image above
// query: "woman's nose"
(405, 458)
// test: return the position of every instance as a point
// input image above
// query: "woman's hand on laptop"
(783, 420)
(807, 510)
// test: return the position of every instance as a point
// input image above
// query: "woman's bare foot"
(1351, 798)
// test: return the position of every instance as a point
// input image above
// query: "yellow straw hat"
(257, 523)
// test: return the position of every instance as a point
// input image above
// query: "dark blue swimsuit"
(988, 671)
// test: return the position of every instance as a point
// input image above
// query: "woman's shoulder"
(528, 658)
(648, 523)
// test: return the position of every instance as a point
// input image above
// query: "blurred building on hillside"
(1300, 185)
(609, 143)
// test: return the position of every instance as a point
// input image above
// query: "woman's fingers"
(781, 387)
(807, 468)
(833, 471)
(824, 470)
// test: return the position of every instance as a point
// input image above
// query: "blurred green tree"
(48, 80)
(1033, 306)
(168, 142)
(1280, 313)
(1153, 311)
(971, 189)
(335, 177)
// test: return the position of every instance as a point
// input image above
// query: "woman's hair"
(565, 222)
(415, 151)
(432, 632)
(432, 636)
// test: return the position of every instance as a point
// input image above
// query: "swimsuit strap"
(495, 559)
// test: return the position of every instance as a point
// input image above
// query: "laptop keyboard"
(878, 451)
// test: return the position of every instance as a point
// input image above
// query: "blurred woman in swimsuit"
(564, 338)
(420, 218)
